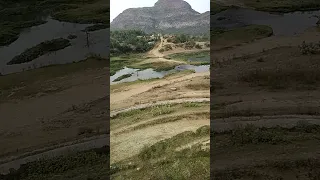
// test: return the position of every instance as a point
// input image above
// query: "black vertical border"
(211, 100)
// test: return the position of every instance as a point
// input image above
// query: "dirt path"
(142, 106)
(127, 145)
(155, 51)
(151, 60)
(118, 99)
(126, 141)
(155, 55)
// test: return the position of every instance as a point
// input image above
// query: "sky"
(118, 6)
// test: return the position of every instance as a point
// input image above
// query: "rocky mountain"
(167, 16)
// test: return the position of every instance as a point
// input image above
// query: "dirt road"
(129, 139)
(119, 99)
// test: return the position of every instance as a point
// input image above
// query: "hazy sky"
(118, 6)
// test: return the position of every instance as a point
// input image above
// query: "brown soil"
(267, 83)
(76, 112)
(126, 141)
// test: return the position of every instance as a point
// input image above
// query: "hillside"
(165, 16)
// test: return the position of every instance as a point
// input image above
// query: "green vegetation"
(167, 47)
(82, 11)
(198, 46)
(116, 65)
(20, 14)
(34, 81)
(283, 5)
(163, 160)
(9, 31)
(161, 110)
(119, 62)
(240, 35)
(39, 50)
(308, 167)
(135, 116)
(96, 27)
(122, 77)
(83, 166)
(130, 41)
(184, 38)
(204, 57)
(309, 48)
(156, 66)
(189, 45)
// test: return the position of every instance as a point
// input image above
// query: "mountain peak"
(165, 16)
(172, 4)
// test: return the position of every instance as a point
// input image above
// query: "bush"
(310, 48)
(189, 44)
(161, 50)
(198, 46)
(167, 47)
(127, 41)
(180, 45)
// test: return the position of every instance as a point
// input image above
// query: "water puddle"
(99, 42)
(137, 74)
(286, 24)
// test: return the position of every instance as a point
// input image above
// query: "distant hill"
(167, 16)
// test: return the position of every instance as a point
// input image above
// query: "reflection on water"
(99, 42)
(136, 74)
(282, 24)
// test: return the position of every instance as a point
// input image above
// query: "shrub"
(161, 50)
(189, 44)
(198, 46)
(167, 47)
(310, 48)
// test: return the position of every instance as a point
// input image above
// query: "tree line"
(130, 41)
